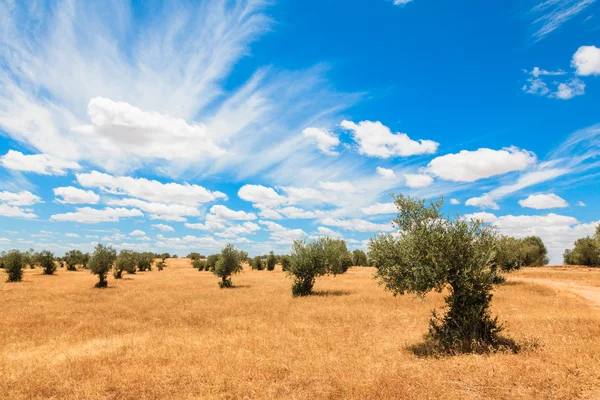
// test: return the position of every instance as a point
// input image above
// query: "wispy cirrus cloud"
(549, 15)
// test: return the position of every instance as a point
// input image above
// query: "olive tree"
(101, 263)
(72, 258)
(126, 261)
(13, 265)
(285, 263)
(229, 263)
(310, 260)
(586, 252)
(433, 252)
(271, 261)
(534, 252)
(257, 263)
(45, 259)
(359, 258)
(144, 261)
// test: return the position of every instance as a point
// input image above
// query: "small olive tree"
(271, 261)
(126, 261)
(534, 252)
(359, 258)
(13, 265)
(228, 264)
(45, 259)
(101, 263)
(144, 261)
(432, 252)
(285, 263)
(310, 260)
(212, 261)
(72, 258)
(257, 263)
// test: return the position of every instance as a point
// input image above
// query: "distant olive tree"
(359, 258)
(13, 265)
(310, 260)
(126, 261)
(73, 258)
(45, 259)
(212, 261)
(534, 252)
(257, 263)
(432, 252)
(271, 261)
(229, 263)
(194, 256)
(144, 261)
(586, 251)
(160, 265)
(101, 263)
(285, 262)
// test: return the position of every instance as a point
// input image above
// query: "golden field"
(174, 334)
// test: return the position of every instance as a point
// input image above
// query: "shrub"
(285, 263)
(359, 258)
(271, 261)
(509, 253)
(160, 265)
(72, 258)
(29, 258)
(534, 252)
(311, 260)
(212, 261)
(194, 256)
(586, 252)
(257, 264)
(228, 264)
(197, 263)
(45, 259)
(126, 261)
(144, 261)
(101, 263)
(13, 265)
(433, 252)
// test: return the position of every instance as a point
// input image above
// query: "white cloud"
(454, 202)
(208, 226)
(485, 201)
(261, 196)
(149, 190)
(325, 140)
(298, 213)
(562, 90)
(417, 181)
(39, 163)
(549, 15)
(380, 208)
(470, 166)
(483, 216)
(137, 232)
(232, 232)
(72, 195)
(163, 227)
(166, 212)
(23, 198)
(270, 214)
(386, 173)
(527, 221)
(377, 140)
(87, 215)
(580, 204)
(570, 89)
(72, 235)
(7, 210)
(322, 231)
(543, 201)
(345, 187)
(222, 212)
(586, 61)
(282, 234)
(307, 195)
(401, 2)
(357, 224)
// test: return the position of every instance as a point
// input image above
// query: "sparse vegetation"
(271, 261)
(45, 259)
(101, 263)
(126, 261)
(13, 265)
(257, 263)
(228, 264)
(144, 261)
(586, 251)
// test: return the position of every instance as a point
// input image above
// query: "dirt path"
(590, 293)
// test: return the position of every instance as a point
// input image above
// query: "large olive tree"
(228, 263)
(101, 263)
(433, 252)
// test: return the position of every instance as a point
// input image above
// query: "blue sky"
(185, 125)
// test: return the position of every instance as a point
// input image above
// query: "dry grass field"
(175, 335)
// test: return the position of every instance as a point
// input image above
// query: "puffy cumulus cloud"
(357, 224)
(261, 196)
(149, 190)
(568, 90)
(88, 215)
(166, 212)
(322, 231)
(189, 242)
(325, 140)
(298, 213)
(386, 173)
(380, 208)
(565, 90)
(586, 61)
(485, 201)
(270, 214)
(38, 163)
(345, 187)
(418, 181)
(72, 235)
(222, 212)
(307, 195)
(377, 140)
(470, 166)
(281, 234)
(207, 226)
(233, 231)
(137, 232)
(73, 195)
(163, 227)
(129, 134)
(7, 210)
(543, 201)
(482, 216)
(454, 202)
(23, 198)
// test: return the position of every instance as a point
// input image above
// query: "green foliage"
(244, 256)
(101, 263)
(285, 263)
(271, 261)
(586, 252)
(534, 252)
(432, 252)
(212, 261)
(126, 261)
(310, 260)
(227, 265)
(45, 259)
(359, 258)
(163, 257)
(144, 261)
(198, 264)
(194, 256)
(509, 253)
(257, 263)
(13, 265)
(160, 265)
(73, 258)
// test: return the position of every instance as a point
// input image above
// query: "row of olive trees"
(14, 261)
(586, 251)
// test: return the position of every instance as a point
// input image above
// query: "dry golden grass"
(175, 335)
